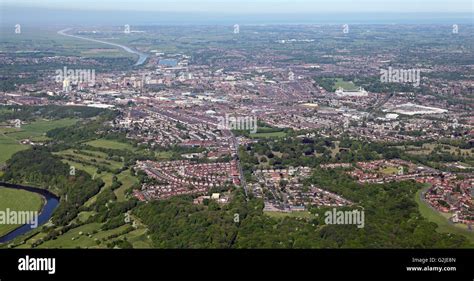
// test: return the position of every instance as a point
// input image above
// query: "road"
(235, 149)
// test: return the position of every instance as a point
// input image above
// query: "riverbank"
(49, 202)
(18, 200)
(142, 57)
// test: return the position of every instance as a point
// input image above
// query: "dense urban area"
(240, 136)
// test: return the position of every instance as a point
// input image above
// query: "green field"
(39, 128)
(110, 144)
(18, 200)
(91, 236)
(138, 238)
(28, 243)
(98, 154)
(47, 39)
(89, 161)
(77, 237)
(346, 85)
(127, 181)
(105, 52)
(107, 179)
(97, 159)
(164, 155)
(389, 171)
(8, 147)
(91, 170)
(84, 216)
(444, 226)
(280, 215)
(428, 148)
(268, 135)
(89, 167)
(35, 131)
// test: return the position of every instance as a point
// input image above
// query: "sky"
(211, 12)
(253, 6)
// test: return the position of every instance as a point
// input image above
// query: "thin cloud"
(254, 6)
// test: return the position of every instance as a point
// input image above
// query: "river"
(141, 56)
(51, 202)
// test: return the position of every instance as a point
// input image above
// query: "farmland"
(10, 137)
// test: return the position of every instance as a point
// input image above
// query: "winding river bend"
(51, 202)
(141, 56)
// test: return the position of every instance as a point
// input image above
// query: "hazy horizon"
(142, 12)
(55, 17)
(253, 6)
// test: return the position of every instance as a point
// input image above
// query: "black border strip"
(134, 264)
